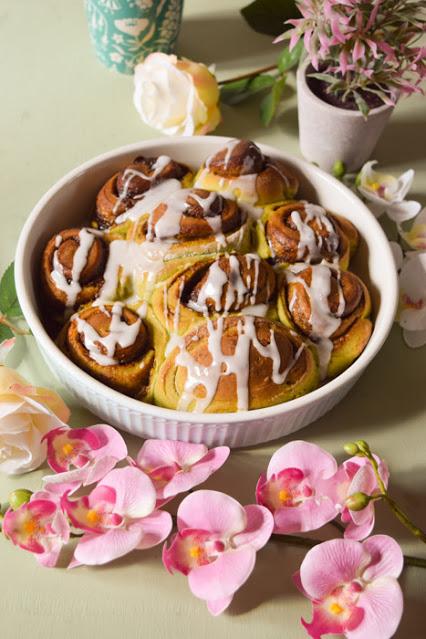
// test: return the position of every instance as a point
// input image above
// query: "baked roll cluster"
(207, 291)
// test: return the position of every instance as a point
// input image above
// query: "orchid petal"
(217, 606)
(382, 604)
(213, 511)
(403, 211)
(260, 524)
(414, 339)
(157, 452)
(135, 493)
(309, 458)
(198, 473)
(222, 577)
(397, 254)
(156, 527)
(94, 549)
(329, 564)
(387, 559)
(310, 515)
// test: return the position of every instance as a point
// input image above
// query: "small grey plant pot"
(328, 134)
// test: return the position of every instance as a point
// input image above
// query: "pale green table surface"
(59, 107)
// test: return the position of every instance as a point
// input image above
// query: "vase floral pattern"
(124, 32)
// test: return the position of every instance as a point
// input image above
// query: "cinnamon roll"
(112, 343)
(196, 222)
(234, 363)
(129, 186)
(303, 232)
(240, 170)
(72, 268)
(331, 307)
(227, 284)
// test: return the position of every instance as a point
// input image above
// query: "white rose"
(177, 97)
(27, 413)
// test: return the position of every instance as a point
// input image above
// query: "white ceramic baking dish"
(69, 202)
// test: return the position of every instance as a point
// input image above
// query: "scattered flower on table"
(299, 487)
(353, 588)
(176, 467)
(27, 414)
(38, 526)
(118, 516)
(412, 312)
(82, 456)
(176, 96)
(356, 476)
(216, 545)
(386, 193)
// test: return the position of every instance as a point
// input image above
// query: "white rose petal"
(26, 415)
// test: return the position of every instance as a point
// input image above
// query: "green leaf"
(5, 333)
(325, 77)
(361, 104)
(269, 104)
(9, 304)
(239, 90)
(289, 59)
(269, 16)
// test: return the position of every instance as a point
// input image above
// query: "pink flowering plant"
(107, 504)
(363, 48)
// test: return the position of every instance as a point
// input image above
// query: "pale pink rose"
(27, 414)
(177, 97)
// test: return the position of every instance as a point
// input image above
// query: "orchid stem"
(250, 74)
(398, 512)
(404, 519)
(337, 525)
(13, 328)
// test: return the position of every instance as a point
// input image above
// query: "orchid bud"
(363, 446)
(339, 169)
(351, 448)
(358, 179)
(357, 501)
(19, 497)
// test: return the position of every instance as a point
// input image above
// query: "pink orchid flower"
(353, 587)
(299, 487)
(357, 475)
(38, 526)
(175, 467)
(216, 545)
(82, 456)
(118, 516)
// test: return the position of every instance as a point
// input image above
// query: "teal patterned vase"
(124, 32)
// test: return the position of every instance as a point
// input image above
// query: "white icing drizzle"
(309, 242)
(161, 162)
(72, 287)
(238, 292)
(139, 262)
(323, 322)
(149, 200)
(102, 349)
(237, 364)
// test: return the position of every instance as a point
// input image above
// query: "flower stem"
(398, 512)
(337, 525)
(13, 328)
(250, 74)
(404, 519)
